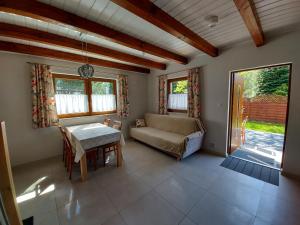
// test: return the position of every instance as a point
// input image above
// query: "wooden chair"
(70, 156)
(61, 129)
(111, 147)
(117, 125)
(106, 122)
(243, 130)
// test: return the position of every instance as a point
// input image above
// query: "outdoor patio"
(262, 147)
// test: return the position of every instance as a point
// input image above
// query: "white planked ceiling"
(278, 14)
(274, 15)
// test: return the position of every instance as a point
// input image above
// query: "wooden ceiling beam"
(48, 13)
(248, 12)
(45, 52)
(24, 33)
(156, 16)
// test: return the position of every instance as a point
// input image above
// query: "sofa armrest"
(195, 135)
(193, 143)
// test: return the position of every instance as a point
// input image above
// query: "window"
(82, 97)
(177, 94)
(103, 96)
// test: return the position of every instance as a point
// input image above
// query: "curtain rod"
(185, 70)
(69, 67)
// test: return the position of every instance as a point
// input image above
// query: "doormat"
(254, 157)
(254, 170)
(28, 221)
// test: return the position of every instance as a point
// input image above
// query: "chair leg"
(64, 152)
(71, 168)
(66, 158)
(63, 159)
(103, 153)
(67, 162)
(95, 160)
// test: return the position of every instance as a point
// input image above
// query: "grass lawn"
(265, 127)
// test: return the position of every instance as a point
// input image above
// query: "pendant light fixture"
(86, 70)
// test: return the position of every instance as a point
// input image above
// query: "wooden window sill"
(66, 116)
(177, 110)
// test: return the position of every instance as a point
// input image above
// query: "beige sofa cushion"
(179, 125)
(168, 141)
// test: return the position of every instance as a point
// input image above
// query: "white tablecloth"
(86, 136)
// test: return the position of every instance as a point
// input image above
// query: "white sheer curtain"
(103, 103)
(177, 101)
(68, 103)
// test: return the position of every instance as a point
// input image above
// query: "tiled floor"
(154, 189)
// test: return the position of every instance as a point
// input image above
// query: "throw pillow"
(140, 123)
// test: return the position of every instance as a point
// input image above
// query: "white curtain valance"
(177, 101)
(68, 103)
(103, 103)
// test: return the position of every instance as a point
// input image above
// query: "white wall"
(27, 144)
(215, 87)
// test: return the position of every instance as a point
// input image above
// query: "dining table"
(84, 137)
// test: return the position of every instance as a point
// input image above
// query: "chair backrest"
(245, 122)
(106, 121)
(117, 125)
(62, 131)
(67, 141)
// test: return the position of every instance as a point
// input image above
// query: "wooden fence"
(268, 108)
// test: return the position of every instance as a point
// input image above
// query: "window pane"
(179, 87)
(102, 88)
(64, 86)
(177, 101)
(103, 98)
(177, 98)
(70, 96)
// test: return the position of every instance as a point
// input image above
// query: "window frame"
(169, 81)
(88, 92)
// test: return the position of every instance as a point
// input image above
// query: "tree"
(179, 87)
(102, 88)
(282, 90)
(64, 86)
(273, 81)
(250, 83)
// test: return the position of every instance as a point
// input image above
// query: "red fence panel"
(268, 108)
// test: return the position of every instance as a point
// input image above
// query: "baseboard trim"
(36, 161)
(290, 175)
(213, 152)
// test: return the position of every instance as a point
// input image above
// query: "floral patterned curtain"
(123, 102)
(163, 94)
(194, 93)
(43, 97)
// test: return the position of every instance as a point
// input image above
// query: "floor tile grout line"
(234, 204)
(119, 210)
(185, 216)
(154, 187)
(169, 203)
(198, 187)
(57, 213)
